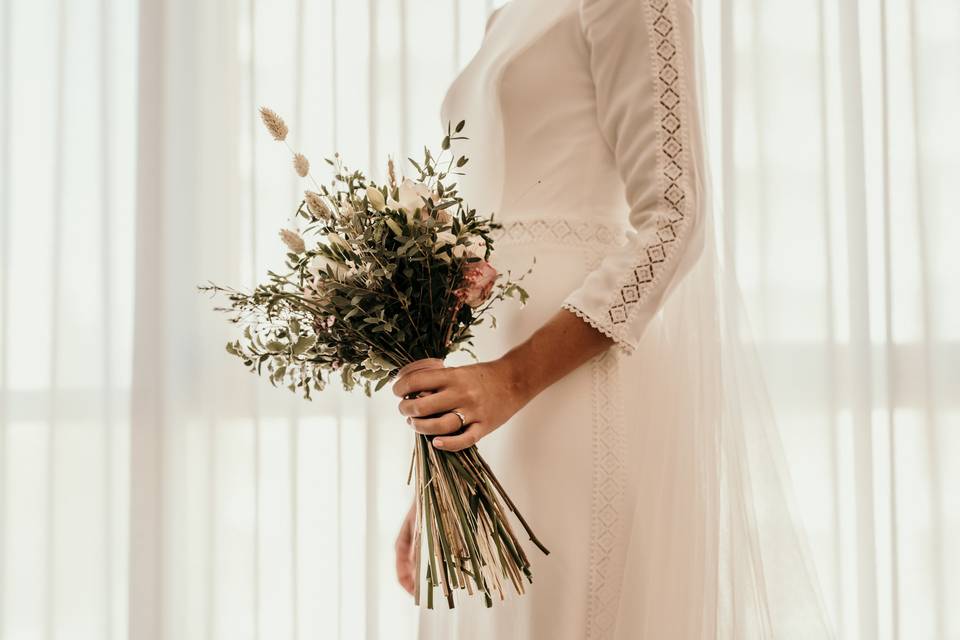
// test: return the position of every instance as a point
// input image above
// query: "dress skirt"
(597, 468)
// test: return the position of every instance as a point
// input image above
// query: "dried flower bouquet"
(380, 277)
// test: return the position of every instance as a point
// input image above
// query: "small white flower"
(376, 199)
(476, 248)
(445, 238)
(318, 268)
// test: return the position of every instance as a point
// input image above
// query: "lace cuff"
(605, 328)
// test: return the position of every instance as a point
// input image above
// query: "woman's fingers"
(446, 423)
(428, 380)
(460, 441)
(429, 405)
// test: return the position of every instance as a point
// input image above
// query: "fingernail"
(408, 421)
(437, 443)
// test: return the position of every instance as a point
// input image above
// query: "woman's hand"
(485, 394)
(406, 554)
(488, 394)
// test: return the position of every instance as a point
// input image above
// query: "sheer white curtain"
(838, 149)
(254, 513)
(151, 488)
(67, 166)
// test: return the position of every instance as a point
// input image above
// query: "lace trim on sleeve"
(673, 221)
(621, 342)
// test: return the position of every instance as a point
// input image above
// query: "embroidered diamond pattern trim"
(607, 500)
(661, 22)
(559, 230)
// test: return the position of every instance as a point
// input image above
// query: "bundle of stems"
(470, 543)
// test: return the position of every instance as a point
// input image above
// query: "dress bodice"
(535, 146)
(586, 110)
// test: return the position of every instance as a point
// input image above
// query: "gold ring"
(463, 421)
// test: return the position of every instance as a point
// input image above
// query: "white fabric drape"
(151, 488)
(836, 149)
(67, 158)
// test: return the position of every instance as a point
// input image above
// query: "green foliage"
(379, 284)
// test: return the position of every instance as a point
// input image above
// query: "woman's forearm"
(463, 404)
(561, 345)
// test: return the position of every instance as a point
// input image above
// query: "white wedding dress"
(652, 472)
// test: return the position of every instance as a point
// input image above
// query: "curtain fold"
(67, 109)
(151, 488)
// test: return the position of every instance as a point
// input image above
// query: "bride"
(621, 408)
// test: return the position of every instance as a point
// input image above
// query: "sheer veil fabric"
(749, 553)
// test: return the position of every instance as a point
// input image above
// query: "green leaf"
(394, 227)
(303, 344)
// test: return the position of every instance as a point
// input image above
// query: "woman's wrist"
(517, 370)
(560, 346)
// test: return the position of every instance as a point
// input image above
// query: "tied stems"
(460, 509)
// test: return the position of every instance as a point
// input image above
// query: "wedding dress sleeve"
(642, 73)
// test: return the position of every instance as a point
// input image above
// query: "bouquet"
(382, 276)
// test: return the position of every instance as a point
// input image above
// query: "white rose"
(318, 268)
(411, 195)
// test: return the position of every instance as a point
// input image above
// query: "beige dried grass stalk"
(301, 164)
(391, 174)
(274, 123)
(317, 206)
(293, 240)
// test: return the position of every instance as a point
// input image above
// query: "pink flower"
(477, 284)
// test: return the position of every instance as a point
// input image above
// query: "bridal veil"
(746, 545)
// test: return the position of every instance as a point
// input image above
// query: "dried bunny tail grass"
(391, 173)
(274, 123)
(293, 240)
(317, 206)
(301, 164)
